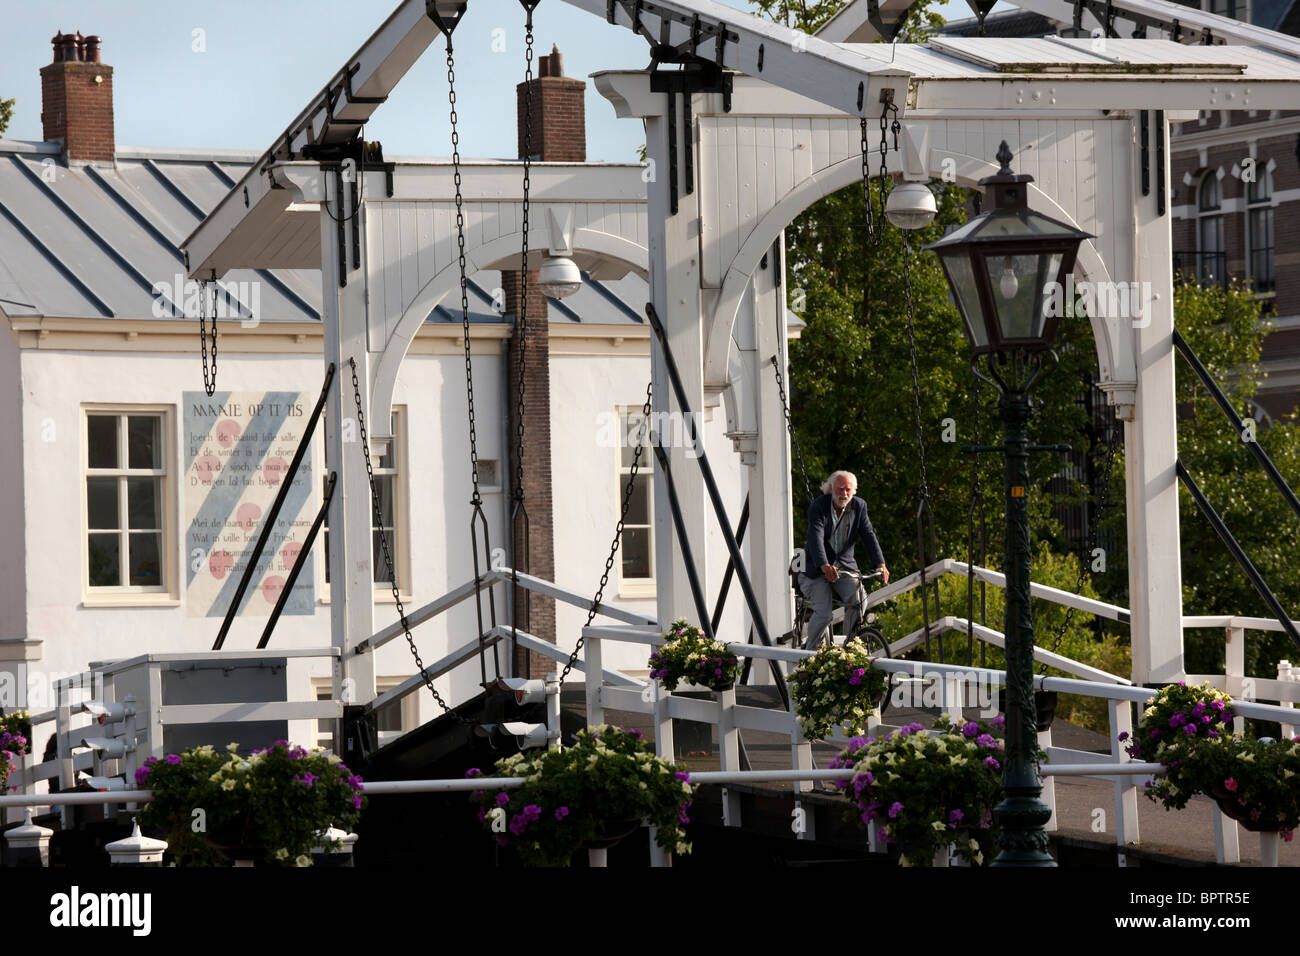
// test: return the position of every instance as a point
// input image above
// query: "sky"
(233, 74)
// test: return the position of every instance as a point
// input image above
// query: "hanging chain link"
(872, 228)
(209, 385)
(916, 378)
(628, 489)
(388, 554)
(789, 427)
(521, 319)
(475, 498)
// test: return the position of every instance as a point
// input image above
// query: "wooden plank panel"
(392, 284)
(410, 246)
(746, 183)
(728, 199)
(782, 157)
(764, 181)
(710, 201)
(821, 143)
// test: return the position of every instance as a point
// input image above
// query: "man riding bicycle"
(837, 521)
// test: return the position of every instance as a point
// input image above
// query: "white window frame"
(1264, 178)
(401, 505)
(634, 587)
(1203, 215)
(166, 593)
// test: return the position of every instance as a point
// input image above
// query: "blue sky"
(262, 60)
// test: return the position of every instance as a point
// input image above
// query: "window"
(392, 720)
(636, 568)
(388, 469)
(1259, 229)
(1211, 264)
(127, 493)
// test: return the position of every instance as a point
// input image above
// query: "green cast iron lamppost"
(999, 266)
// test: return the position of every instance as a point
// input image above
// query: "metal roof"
(101, 242)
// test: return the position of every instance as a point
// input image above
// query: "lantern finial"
(1004, 157)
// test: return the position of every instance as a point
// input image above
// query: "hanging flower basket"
(15, 735)
(690, 656)
(590, 795)
(928, 792)
(836, 687)
(267, 806)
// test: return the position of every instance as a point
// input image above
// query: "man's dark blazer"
(821, 525)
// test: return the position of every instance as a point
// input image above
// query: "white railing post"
(953, 689)
(553, 711)
(1049, 783)
(1268, 845)
(1126, 791)
(801, 759)
(665, 745)
(659, 857)
(1227, 848)
(1234, 669)
(1288, 673)
(729, 754)
(595, 677)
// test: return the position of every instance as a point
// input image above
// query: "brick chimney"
(558, 136)
(559, 113)
(77, 99)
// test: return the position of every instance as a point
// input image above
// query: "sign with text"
(238, 447)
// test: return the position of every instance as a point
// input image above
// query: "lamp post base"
(1022, 840)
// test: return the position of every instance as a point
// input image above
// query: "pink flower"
(1230, 784)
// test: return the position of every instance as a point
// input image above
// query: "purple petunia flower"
(142, 774)
(473, 772)
(561, 812)
(356, 803)
(1190, 729)
(683, 776)
(955, 816)
(855, 680)
(173, 759)
(970, 729)
(503, 798)
(992, 764)
(895, 810)
(998, 721)
(1123, 735)
(985, 740)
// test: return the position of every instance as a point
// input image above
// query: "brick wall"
(535, 613)
(77, 106)
(559, 133)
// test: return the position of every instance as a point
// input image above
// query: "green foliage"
(275, 799)
(1224, 330)
(608, 781)
(6, 113)
(690, 656)
(926, 791)
(836, 688)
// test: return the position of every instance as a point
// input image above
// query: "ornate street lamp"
(1000, 266)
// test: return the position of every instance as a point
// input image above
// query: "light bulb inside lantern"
(1008, 284)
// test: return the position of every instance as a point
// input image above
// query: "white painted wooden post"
(1269, 842)
(1151, 442)
(764, 446)
(1286, 672)
(343, 321)
(1227, 847)
(664, 743)
(554, 742)
(952, 689)
(729, 754)
(1126, 791)
(1049, 784)
(674, 243)
(659, 857)
(1234, 670)
(598, 858)
(595, 677)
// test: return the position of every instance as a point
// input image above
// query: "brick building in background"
(1235, 177)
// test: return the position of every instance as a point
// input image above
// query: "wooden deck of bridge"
(1168, 838)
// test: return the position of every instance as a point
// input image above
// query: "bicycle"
(865, 631)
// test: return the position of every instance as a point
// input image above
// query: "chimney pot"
(68, 48)
(91, 49)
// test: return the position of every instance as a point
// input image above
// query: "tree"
(6, 113)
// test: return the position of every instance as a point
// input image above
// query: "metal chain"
(916, 378)
(866, 185)
(618, 533)
(1093, 528)
(209, 386)
(475, 498)
(521, 320)
(789, 427)
(388, 554)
